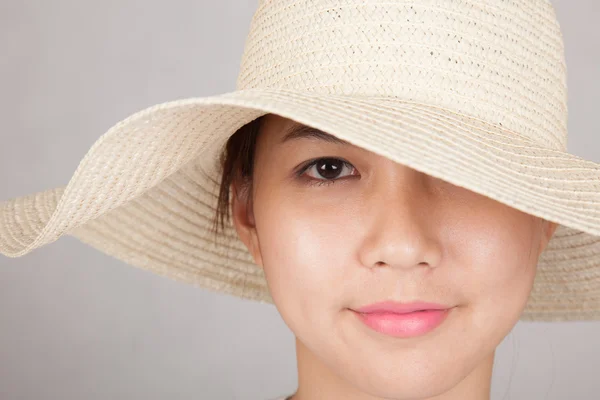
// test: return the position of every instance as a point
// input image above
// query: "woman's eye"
(328, 170)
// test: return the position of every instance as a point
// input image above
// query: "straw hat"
(471, 92)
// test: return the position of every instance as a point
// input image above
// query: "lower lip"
(404, 325)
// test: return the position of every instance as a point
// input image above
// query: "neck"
(317, 381)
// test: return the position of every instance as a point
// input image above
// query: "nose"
(399, 222)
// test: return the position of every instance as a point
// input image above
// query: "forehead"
(284, 131)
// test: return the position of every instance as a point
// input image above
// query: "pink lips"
(403, 320)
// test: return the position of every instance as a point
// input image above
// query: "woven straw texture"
(472, 92)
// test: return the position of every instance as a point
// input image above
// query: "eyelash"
(320, 182)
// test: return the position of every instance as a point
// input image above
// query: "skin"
(384, 231)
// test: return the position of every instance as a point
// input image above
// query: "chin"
(407, 376)
(407, 386)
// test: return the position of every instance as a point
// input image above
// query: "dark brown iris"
(329, 168)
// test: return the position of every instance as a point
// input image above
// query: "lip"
(403, 320)
(400, 308)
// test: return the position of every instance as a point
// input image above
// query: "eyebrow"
(300, 131)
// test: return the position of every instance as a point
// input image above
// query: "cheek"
(501, 260)
(302, 256)
(500, 275)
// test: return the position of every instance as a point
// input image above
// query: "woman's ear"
(243, 219)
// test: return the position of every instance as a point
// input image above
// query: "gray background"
(76, 324)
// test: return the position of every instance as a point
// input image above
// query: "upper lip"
(400, 308)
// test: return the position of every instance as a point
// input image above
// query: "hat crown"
(499, 61)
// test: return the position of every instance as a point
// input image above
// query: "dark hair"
(237, 162)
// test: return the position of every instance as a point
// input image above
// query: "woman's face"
(366, 229)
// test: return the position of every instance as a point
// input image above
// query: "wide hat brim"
(146, 191)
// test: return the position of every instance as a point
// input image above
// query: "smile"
(403, 325)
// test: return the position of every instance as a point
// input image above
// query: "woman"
(398, 182)
(338, 229)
